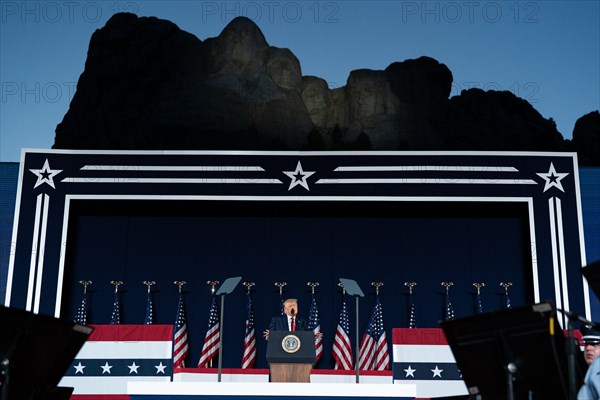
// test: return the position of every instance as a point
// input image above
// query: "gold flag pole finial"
(506, 285)
(280, 285)
(447, 285)
(478, 286)
(377, 286)
(116, 284)
(149, 284)
(248, 286)
(180, 284)
(85, 285)
(212, 285)
(312, 286)
(410, 286)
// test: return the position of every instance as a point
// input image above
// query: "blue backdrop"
(295, 242)
(295, 217)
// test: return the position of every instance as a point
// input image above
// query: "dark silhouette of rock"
(494, 120)
(586, 139)
(149, 85)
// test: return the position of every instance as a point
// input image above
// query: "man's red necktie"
(293, 324)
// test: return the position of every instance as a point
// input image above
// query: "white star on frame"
(410, 372)
(106, 368)
(437, 372)
(45, 175)
(298, 177)
(552, 178)
(160, 368)
(79, 368)
(133, 368)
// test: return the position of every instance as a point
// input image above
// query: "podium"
(291, 355)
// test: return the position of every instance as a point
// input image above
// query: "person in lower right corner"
(591, 350)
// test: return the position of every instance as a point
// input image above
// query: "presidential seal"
(290, 344)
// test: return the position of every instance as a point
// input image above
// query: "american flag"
(479, 304)
(373, 351)
(342, 348)
(212, 338)
(115, 318)
(149, 311)
(412, 319)
(81, 317)
(249, 356)
(449, 311)
(180, 337)
(315, 326)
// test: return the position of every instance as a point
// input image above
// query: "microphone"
(293, 312)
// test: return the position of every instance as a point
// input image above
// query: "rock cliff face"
(586, 139)
(149, 85)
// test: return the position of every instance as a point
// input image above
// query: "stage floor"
(175, 390)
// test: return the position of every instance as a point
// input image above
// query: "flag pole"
(448, 312)
(506, 285)
(479, 306)
(81, 317)
(412, 323)
(213, 284)
(313, 320)
(377, 285)
(248, 342)
(149, 316)
(116, 316)
(149, 284)
(85, 284)
(179, 331)
(280, 285)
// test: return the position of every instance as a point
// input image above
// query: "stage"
(275, 391)
(390, 217)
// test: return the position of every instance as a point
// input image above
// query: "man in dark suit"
(289, 321)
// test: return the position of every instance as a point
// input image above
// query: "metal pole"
(356, 353)
(511, 370)
(221, 337)
(4, 378)
(571, 361)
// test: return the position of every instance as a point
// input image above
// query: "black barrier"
(35, 353)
